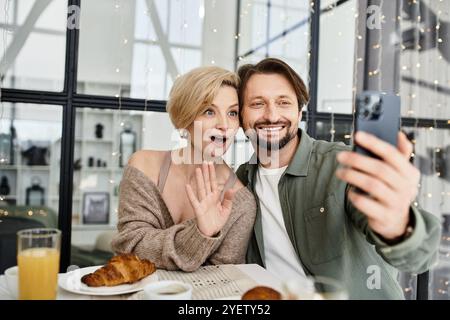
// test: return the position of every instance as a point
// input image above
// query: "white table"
(260, 275)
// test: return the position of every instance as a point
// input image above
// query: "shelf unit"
(20, 176)
(98, 179)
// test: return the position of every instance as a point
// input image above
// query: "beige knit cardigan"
(146, 228)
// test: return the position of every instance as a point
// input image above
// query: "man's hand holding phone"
(391, 183)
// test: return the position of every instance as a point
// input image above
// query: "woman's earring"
(183, 133)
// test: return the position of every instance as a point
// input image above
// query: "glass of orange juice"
(38, 259)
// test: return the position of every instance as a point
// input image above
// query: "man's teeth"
(271, 128)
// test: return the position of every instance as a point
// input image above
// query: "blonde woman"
(185, 208)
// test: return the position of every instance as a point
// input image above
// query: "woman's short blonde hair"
(194, 91)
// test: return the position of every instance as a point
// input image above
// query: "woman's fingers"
(200, 184)
(206, 178)
(212, 175)
(192, 198)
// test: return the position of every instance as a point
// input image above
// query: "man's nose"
(271, 112)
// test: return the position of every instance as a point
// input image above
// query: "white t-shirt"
(281, 259)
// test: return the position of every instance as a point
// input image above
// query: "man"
(309, 220)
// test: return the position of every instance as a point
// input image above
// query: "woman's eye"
(233, 113)
(209, 112)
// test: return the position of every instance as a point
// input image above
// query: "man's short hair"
(272, 66)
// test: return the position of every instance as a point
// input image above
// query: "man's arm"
(417, 252)
(407, 237)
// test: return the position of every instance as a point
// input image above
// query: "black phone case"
(386, 126)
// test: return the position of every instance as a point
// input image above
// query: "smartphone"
(378, 114)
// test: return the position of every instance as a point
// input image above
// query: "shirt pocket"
(325, 229)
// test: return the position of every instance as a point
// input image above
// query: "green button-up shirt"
(333, 239)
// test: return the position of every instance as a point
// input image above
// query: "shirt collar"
(299, 164)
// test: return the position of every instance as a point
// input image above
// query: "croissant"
(122, 269)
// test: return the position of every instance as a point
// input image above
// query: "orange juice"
(38, 273)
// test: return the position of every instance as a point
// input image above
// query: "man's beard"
(280, 143)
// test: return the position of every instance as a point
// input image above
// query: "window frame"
(71, 100)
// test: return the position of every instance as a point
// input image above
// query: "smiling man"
(309, 221)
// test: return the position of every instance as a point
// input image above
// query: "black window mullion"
(32, 96)
(313, 68)
(68, 142)
(105, 102)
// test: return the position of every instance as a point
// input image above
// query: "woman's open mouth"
(219, 141)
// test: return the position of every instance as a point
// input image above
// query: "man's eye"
(233, 113)
(285, 103)
(209, 112)
(257, 104)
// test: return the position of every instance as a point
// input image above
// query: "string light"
(379, 47)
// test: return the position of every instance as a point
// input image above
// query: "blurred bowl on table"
(12, 281)
(168, 290)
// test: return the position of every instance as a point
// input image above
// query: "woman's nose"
(222, 122)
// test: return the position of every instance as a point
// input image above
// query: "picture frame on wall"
(96, 208)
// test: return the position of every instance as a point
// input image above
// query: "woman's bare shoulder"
(148, 161)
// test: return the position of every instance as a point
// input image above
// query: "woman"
(184, 208)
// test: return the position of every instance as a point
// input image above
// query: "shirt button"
(322, 210)
(386, 250)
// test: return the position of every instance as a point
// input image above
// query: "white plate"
(71, 281)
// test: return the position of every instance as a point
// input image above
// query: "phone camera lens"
(377, 108)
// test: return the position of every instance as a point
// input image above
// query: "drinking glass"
(38, 252)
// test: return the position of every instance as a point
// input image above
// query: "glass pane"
(425, 60)
(336, 58)
(432, 147)
(252, 25)
(334, 131)
(288, 17)
(284, 17)
(32, 49)
(139, 49)
(30, 138)
(142, 46)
